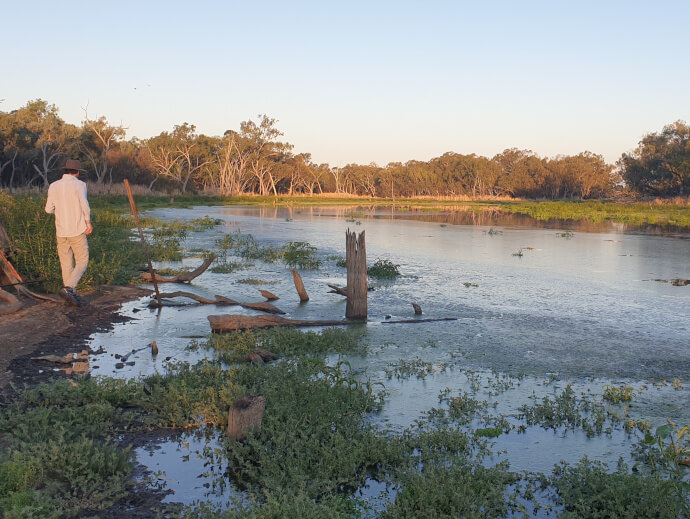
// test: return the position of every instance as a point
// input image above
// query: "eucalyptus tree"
(265, 151)
(162, 154)
(98, 139)
(192, 153)
(660, 165)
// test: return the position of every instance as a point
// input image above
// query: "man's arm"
(50, 203)
(85, 209)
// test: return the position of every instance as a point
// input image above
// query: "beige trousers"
(73, 252)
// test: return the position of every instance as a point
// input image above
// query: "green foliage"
(245, 246)
(114, 258)
(232, 347)
(417, 367)
(254, 281)
(589, 490)
(314, 437)
(384, 269)
(300, 254)
(279, 505)
(617, 394)
(566, 409)
(453, 491)
(660, 165)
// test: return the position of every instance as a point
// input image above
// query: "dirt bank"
(48, 328)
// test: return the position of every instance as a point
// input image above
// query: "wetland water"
(537, 308)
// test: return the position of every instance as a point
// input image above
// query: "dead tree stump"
(246, 415)
(303, 296)
(356, 261)
(269, 295)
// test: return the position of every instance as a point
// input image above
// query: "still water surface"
(585, 308)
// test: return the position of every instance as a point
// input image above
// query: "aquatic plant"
(588, 489)
(300, 254)
(566, 234)
(255, 281)
(384, 269)
(419, 368)
(617, 394)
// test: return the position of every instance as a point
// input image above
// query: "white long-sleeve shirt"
(67, 199)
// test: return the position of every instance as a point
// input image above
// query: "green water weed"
(384, 269)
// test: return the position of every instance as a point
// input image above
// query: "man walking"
(67, 200)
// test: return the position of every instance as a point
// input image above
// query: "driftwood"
(269, 295)
(259, 356)
(246, 415)
(417, 309)
(11, 303)
(356, 261)
(152, 272)
(185, 277)
(219, 300)
(263, 307)
(254, 358)
(231, 323)
(303, 296)
(9, 276)
(66, 359)
(410, 321)
(335, 289)
(266, 355)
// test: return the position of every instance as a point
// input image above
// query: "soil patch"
(47, 328)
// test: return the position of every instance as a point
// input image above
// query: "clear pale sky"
(361, 81)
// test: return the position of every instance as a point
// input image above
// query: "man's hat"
(73, 164)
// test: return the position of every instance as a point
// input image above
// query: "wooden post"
(303, 296)
(356, 260)
(143, 241)
(246, 414)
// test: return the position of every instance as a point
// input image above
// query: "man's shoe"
(66, 294)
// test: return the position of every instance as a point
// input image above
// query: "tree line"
(35, 141)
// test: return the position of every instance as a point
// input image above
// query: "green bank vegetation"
(65, 445)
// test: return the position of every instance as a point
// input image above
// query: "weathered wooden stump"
(246, 415)
(356, 261)
(269, 295)
(303, 296)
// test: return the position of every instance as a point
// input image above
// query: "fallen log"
(266, 355)
(219, 300)
(269, 295)
(254, 358)
(263, 307)
(230, 322)
(406, 321)
(246, 415)
(335, 289)
(9, 276)
(303, 296)
(185, 277)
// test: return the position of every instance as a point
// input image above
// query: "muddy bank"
(47, 328)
